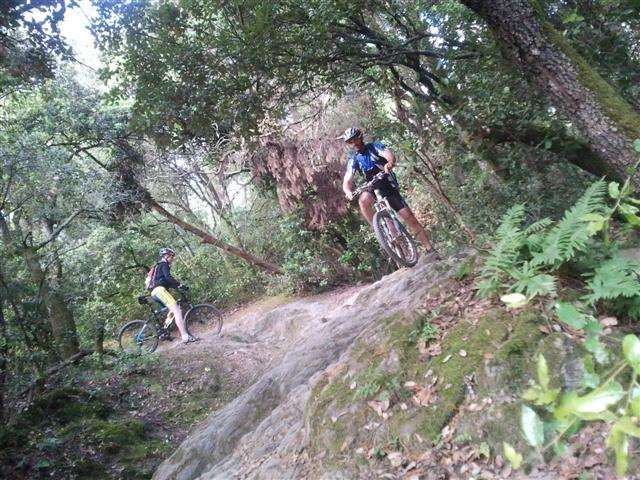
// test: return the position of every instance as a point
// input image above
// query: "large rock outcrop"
(357, 392)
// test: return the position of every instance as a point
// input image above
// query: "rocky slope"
(410, 377)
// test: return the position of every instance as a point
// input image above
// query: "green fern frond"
(532, 283)
(504, 256)
(616, 277)
(537, 227)
(535, 235)
(571, 235)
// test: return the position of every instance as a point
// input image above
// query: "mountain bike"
(139, 337)
(391, 234)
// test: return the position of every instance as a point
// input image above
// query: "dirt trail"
(336, 386)
(249, 342)
(290, 345)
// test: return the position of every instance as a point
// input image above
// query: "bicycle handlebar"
(369, 184)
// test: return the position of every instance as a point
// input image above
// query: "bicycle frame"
(382, 204)
(160, 314)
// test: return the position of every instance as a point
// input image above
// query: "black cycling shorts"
(391, 193)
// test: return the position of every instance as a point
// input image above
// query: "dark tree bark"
(3, 361)
(58, 313)
(609, 123)
(61, 319)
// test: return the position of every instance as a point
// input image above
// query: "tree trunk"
(3, 361)
(60, 316)
(608, 123)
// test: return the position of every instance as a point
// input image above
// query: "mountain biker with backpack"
(369, 159)
(158, 280)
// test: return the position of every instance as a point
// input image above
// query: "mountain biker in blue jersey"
(161, 281)
(369, 159)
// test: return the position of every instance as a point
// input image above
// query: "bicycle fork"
(140, 336)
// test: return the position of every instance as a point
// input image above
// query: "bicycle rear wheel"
(203, 319)
(138, 337)
(399, 246)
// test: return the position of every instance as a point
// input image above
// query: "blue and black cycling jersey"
(369, 162)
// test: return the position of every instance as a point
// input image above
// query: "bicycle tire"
(203, 318)
(138, 337)
(397, 254)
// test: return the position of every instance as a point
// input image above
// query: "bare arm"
(390, 157)
(347, 184)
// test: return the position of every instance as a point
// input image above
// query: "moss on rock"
(339, 416)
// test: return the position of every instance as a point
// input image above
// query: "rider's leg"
(366, 202)
(177, 315)
(167, 299)
(418, 230)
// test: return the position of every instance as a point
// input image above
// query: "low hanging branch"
(39, 382)
(123, 168)
(208, 238)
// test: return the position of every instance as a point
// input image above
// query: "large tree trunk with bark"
(3, 361)
(609, 123)
(63, 326)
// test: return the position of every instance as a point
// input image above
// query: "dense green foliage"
(186, 139)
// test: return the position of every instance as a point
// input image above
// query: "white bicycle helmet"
(350, 133)
(167, 251)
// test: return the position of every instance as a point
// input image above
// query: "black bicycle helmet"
(167, 251)
(350, 134)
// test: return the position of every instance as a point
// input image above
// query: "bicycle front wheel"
(203, 319)
(394, 239)
(138, 338)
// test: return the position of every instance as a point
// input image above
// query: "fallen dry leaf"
(423, 397)
(379, 406)
(395, 458)
(609, 321)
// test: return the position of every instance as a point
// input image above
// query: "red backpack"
(150, 280)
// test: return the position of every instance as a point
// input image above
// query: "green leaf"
(631, 351)
(514, 300)
(514, 458)
(595, 222)
(590, 379)
(570, 315)
(614, 190)
(532, 427)
(540, 396)
(634, 406)
(627, 426)
(543, 372)
(592, 344)
(636, 145)
(620, 444)
(597, 401)
(628, 210)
